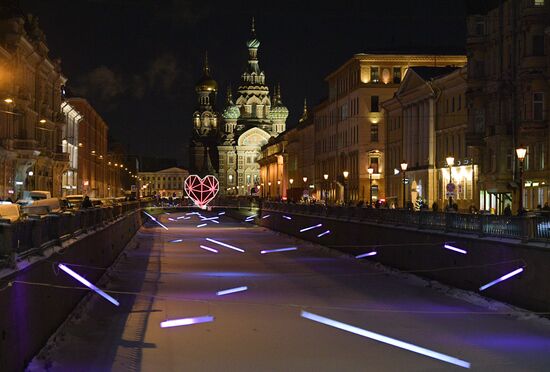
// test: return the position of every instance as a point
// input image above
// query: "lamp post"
(279, 189)
(404, 170)
(370, 171)
(291, 181)
(521, 152)
(325, 176)
(450, 162)
(269, 190)
(345, 174)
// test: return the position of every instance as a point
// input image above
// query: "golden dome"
(206, 83)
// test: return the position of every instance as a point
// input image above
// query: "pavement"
(160, 278)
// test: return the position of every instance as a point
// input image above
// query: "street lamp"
(404, 170)
(345, 174)
(450, 162)
(370, 171)
(325, 176)
(278, 188)
(269, 190)
(305, 179)
(521, 152)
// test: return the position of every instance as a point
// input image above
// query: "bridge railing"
(35, 233)
(526, 228)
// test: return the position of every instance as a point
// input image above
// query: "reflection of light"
(447, 246)
(88, 284)
(323, 233)
(311, 227)
(186, 321)
(385, 339)
(373, 253)
(279, 250)
(502, 278)
(225, 245)
(231, 290)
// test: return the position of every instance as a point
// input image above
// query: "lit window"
(374, 74)
(397, 75)
(374, 132)
(538, 2)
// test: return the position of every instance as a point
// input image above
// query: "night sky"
(137, 61)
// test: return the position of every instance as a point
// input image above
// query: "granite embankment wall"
(421, 252)
(30, 314)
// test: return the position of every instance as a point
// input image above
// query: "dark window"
(374, 164)
(538, 45)
(397, 75)
(374, 132)
(480, 28)
(538, 106)
(374, 104)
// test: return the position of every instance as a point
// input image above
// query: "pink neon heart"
(201, 191)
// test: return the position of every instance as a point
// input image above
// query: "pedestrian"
(507, 210)
(435, 207)
(546, 207)
(86, 203)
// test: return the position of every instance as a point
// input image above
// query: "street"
(165, 274)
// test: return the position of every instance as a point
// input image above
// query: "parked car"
(45, 206)
(75, 200)
(29, 197)
(11, 212)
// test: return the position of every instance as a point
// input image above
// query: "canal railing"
(524, 228)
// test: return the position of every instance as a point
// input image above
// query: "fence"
(525, 228)
(36, 233)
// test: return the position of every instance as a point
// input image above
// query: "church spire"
(206, 68)
(304, 114)
(253, 28)
(229, 95)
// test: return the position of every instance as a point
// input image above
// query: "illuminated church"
(228, 145)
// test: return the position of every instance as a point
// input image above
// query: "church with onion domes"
(227, 145)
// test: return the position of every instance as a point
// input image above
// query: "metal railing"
(36, 233)
(525, 228)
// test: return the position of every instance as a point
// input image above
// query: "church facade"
(229, 144)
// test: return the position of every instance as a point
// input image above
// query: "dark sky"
(137, 61)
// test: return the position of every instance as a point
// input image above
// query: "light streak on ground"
(88, 284)
(501, 279)
(287, 217)
(450, 247)
(385, 339)
(373, 253)
(154, 219)
(231, 290)
(311, 227)
(202, 225)
(176, 241)
(186, 321)
(208, 248)
(278, 250)
(225, 245)
(323, 233)
(266, 216)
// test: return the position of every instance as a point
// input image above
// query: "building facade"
(165, 183)
(426, 125)
(92, 151)
(31, 122)
(350, 127)
(69, 143)
(230, 150)
(508, 96)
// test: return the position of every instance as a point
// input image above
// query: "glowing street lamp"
(404, 170)
(345, 174)
(521, 152)
(8, 100)
(325, 176)
(305, 179)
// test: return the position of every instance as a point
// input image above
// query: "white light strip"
(154, 219)
(209, 249)
(323, 233)
(180, 217)
(374, 253)
(231, 290)
(221, 213)
(88, 284)
(502, 278)
(215, 221)
(311, 227)
(278, 250)
(385, 339)
(266, 216)
(171, 219)
(224, 245)
(186, 321)
(209, 218)
(176, 241)
(287, 217)
(450, 247)
(202, 225)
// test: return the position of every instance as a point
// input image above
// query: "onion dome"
(232, 111)
(206, 83)
(278, 111)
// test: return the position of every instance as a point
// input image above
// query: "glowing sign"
(501, 279)
(201, 190)
(231, 290)
(385, 339)
(186, 321)
(88, 284)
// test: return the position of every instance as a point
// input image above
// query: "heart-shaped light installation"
(201, 190)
